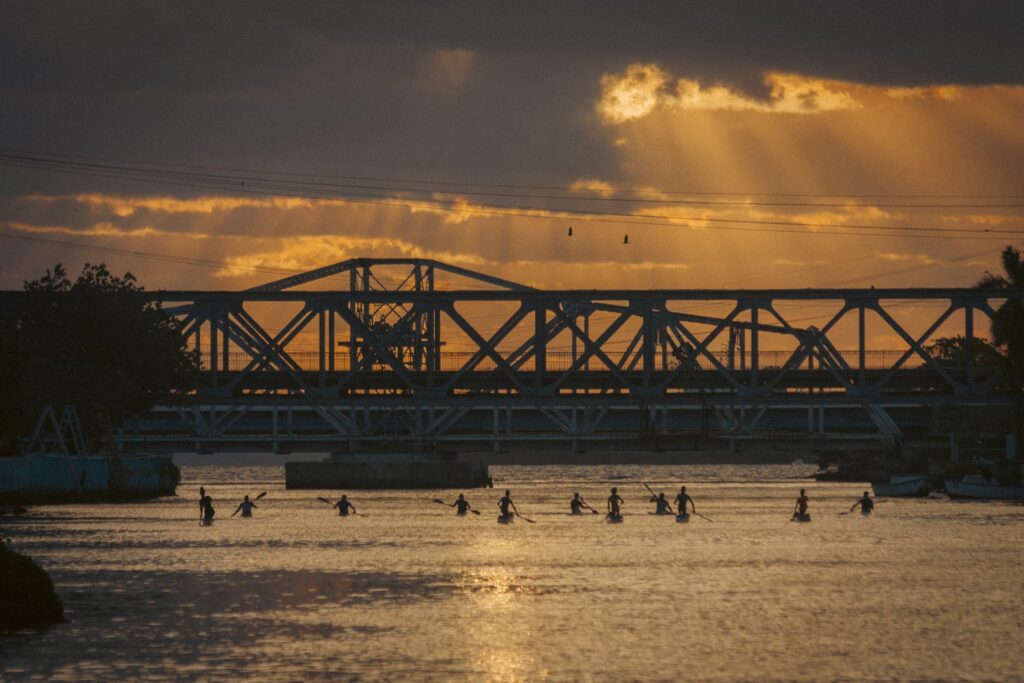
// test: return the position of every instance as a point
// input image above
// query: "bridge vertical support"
(861, 348)
(754, 345)
(321, 351)
(969, 336)
(540, 343)
(213, 351)
(647, 348)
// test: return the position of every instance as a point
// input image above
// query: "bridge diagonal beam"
(917, 345)
(487, 347)
(489, 344)
(700, 349)
(592, 348)
(382, 350)
(266, 354)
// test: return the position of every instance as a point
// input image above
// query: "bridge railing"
(560, 361)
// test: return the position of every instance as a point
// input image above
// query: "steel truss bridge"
(417, 354)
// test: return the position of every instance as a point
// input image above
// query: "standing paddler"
(867, 505)
(505, 503)
(800, 509)
(682, 499)
(615, 504)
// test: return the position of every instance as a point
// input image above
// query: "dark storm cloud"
(341, 87)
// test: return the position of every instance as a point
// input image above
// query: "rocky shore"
(27, 596)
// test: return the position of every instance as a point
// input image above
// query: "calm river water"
(923, 590)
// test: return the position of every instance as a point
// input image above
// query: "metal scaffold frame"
(381, 371)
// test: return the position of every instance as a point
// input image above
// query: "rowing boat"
(906, 486)
(980, 488)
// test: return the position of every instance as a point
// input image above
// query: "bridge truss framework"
(566, 367)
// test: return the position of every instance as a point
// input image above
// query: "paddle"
(441, 502)
(253, 500)
(701, 516)
(525, 519)
(331, 503)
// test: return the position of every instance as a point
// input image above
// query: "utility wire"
(620, 189)
(237, 185)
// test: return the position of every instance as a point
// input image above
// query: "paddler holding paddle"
(866, 504)
(577, 505)
(246, 507)
(505, 503)
(800, 511)
(462, 504)
(614, 504)
(682, 499)
(662, 506)
(344, 506)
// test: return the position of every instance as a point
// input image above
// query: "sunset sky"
(754, 144)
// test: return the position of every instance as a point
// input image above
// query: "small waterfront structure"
(980, 488)
(906, 486)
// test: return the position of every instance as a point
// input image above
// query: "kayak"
(683, 518)
(206, 522)
(505, 520)
(805, 517)
(614, 520)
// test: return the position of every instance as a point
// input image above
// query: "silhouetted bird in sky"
(625, 239)
(570, 231)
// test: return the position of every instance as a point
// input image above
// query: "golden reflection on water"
(924, 590)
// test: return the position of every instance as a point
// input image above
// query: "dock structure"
(418, 355)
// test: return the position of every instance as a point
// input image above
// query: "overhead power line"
(616, 188)
(242, 185)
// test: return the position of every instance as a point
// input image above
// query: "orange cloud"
(643, 88)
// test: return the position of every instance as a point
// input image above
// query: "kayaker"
(344, 506)
(614, 504)
(866, 504)
(462, 504)
(202, 497)
(682, 499)
(246, 508)
(206, 505)
(663, 507)
(577, 504)
(505, 503)
(801, 503)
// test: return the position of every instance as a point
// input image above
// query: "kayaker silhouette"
(614, 504)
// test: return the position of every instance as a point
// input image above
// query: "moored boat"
(906, 486)
(979, 488)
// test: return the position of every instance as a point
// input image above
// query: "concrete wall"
(54, 478)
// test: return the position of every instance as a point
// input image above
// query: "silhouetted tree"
(94, 343)
(1008, 329)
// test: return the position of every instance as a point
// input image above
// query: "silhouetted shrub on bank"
(27, 596)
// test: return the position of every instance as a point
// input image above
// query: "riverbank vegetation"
(94, 342)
